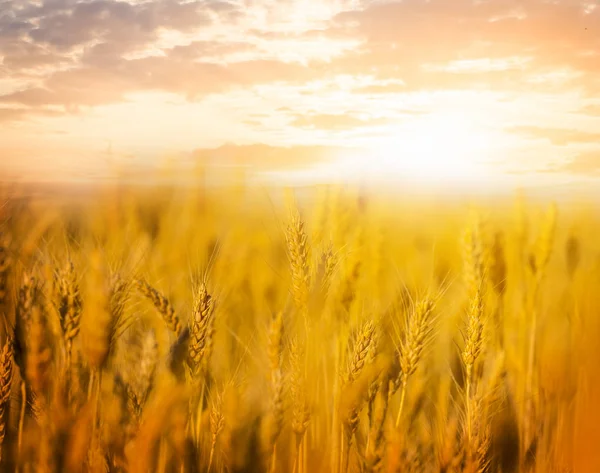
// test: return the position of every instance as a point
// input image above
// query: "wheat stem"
(402, 397)
(21, 418)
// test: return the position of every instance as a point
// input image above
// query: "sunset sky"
(465, 89)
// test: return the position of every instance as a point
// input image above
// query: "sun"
(437, 147)
(431, 149)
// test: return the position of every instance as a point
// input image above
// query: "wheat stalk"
(96, 321)
(5, 265)
(376, 443)
(475, 275)
(498, 279)
(573, 254)
(6, 377)
(217, 421)
(300, 409)
(275, 347)
(356, 387)
(539, 262)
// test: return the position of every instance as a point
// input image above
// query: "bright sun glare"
(437, 147)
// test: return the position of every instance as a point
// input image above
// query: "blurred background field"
(246, 327)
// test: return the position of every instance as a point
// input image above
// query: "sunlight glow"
(440, 146)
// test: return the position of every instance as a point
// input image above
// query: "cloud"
(116, 21)
(586, 163)
(8, 114)
(593, 110)
(208, 49)
(556, 136)
(11, 114)
(396, 42)
(74, 50)
(383, 87)
(64, 27)
(335, 122)
(22, 56)
(94, 85)
(399, 37)
(261, 157)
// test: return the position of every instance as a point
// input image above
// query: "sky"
(441, 90)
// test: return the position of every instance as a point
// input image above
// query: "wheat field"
(236, 329)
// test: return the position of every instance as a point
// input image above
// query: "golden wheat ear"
(365, 344)
(161, 304)
(201, 331)
(327, 267)
(417, 336)
(69, 303)
(355, 391)
(299, 257)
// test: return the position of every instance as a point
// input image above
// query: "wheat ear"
(161, 304)
(201, 330)
(298, 253)
(69, 306)
(417, 332)
(356, 388)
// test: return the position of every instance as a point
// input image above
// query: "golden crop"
(238, 329)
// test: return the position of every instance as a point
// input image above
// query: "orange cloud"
(593, 110)
(265, 157)
(336, 122)
(586, 163)
(18, 114)
(556, 136)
